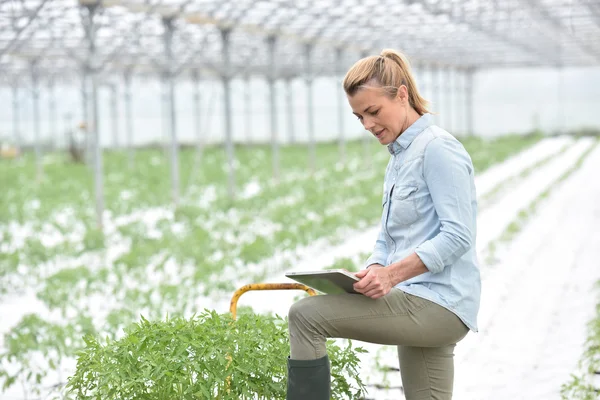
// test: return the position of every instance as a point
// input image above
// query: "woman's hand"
(375, 281)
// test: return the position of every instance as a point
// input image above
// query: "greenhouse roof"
(53, 36)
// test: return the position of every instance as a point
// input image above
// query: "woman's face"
(379, 114)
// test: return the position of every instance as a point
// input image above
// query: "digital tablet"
(333, 281)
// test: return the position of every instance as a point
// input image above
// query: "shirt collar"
(406, 138)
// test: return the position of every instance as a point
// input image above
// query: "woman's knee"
(305, 312)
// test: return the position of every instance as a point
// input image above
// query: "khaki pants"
(424, 332)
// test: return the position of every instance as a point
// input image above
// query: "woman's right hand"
(375, 281)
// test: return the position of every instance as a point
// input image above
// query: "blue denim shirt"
(430, 207)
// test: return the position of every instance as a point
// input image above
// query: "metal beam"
(35, 90)
(226, 80)
(92, 71)
(52, 108)
(20, 30)
(16, 115)
(339, 95)
(114, 114)
(248, 108)
(271, 43)
(129, 119)
(469, 101)
(450, 100)
(197, 116)
(528, 49)
(290, 110)
(539, 8)
(169, 98)
(309, 80)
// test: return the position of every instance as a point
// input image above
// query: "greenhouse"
(158, 155)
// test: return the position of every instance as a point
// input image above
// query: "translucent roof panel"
(131, 34)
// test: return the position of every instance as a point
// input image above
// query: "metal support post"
(52, 128)
(226, 79)
(92, 72)
(114, 114)
(438, 96)
(310, 109)
(197, 117)
(85, 113)
(338, 94)
(271, 42)
(248, 107)
(290, 110)
(16, 115)
(449, 92)
(169, 88)
(129, 119)
(366, 138)
(35, 86)
(469, 101)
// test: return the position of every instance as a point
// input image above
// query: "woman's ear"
(402, 94)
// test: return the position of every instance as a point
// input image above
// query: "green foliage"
(586, 131)
(33, 337)
(580, 386)
(37, 253)
(93, 239)
(205, 233)
(257, 250)
(350, 264)
(206, 357)
(59, 289)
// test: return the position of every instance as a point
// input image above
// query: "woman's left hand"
(375, 282)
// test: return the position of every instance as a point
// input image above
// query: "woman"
(421, 286)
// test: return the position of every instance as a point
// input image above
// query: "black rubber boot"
(308, 379)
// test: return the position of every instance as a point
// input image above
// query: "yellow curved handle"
(265, 286)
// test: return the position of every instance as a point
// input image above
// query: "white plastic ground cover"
(496, 217)
(316, 256)
(500, 172)
(538, 300)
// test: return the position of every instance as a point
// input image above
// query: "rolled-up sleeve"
(380, 252)
(448, 172)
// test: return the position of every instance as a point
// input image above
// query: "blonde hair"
(389, 70)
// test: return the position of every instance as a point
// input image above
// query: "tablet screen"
(329, 282)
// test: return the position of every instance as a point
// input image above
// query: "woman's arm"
(447, 169)
(377, 281)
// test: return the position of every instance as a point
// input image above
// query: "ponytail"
(389, 71)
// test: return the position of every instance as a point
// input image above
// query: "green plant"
(201, 237)
(209, 356)
(93, 239)
(65, 285)
(20, 360)
(350, 264)
(580, 386)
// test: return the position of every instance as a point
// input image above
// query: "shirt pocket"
(404, 205)
(384, 200)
